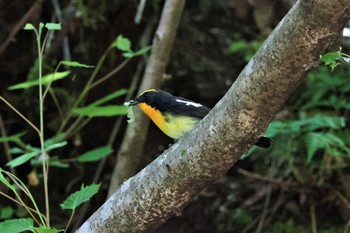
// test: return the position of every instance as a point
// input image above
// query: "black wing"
(182, 106)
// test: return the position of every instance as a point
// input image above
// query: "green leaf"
(17, 225)
(6, 212)
(22, 159)
(5, 182)
(53, 26)
(142, 51)
(109, 97)
(29, 26)
(103, 111)
(81, 196)
(331, 59)
(122, 44)
(43, 229)
(56, 145)
(13, 138)
(75, 64)
(96, 154)
(54, 161)
(45, 80)
(16, 150)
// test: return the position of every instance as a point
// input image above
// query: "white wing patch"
(197, 105)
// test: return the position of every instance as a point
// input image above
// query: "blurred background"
(298, 185)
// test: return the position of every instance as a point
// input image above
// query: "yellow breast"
(173, 126)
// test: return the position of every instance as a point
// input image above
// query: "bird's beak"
(131, 103)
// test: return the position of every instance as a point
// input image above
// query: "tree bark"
(163, 188)
(131, 148)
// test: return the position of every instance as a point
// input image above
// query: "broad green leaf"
(54, 161)
(53, 26)
(96, 154)
(22, 159)
(5, 182)
(45, 80)
(56, 145)
(13, 138)
(330, 57)
(17, 225)
(6, 212)
(122, 44)
(81, 196)
(101, 111)
(109, 97)
(75, 64)
(43, 229)
(29, 26)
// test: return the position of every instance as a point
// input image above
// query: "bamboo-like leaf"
(101, 111)
(75, 64)
(96, 154)
(53, 26)
(45, 80)
(22, 159)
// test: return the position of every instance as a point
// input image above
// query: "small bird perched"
(174, 115)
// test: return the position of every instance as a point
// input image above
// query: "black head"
(152, 97)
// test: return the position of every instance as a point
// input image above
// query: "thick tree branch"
(131, 149)
(164, 187)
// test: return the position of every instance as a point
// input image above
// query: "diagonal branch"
(164, 187)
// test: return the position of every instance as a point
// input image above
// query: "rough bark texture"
(131, 149)
(164, 187)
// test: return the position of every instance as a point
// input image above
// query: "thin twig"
(6, 144)
(20, 114)
(264, 212)
(313, 218)
(347, 226)
(268, 179)
(23, 205)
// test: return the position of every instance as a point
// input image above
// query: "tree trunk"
(163, 188)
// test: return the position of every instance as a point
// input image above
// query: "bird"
(175, 115)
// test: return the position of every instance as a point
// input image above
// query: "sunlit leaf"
(75, 64)
(29, 26)
(142, 51)
(43, 229)
(53, 26)
(101, 111)
(17, 225)
(122, 44)
(56, 145)
(54, 161)
(22, 159)
(96, 154)
(81, 196)
(45, 80)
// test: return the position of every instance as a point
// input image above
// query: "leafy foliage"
(17, 225)
(81, 196)
(96, 154)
